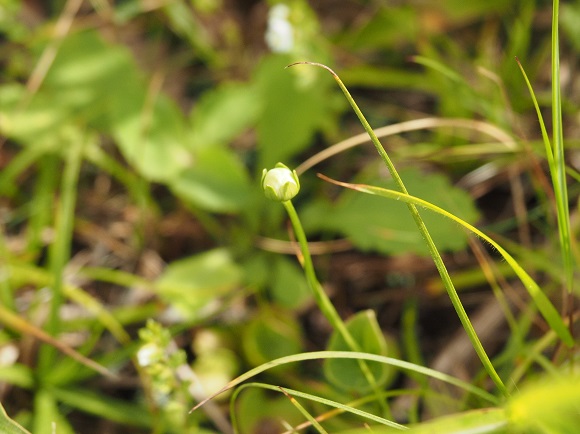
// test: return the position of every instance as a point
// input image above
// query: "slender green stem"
(323, 301)
(304, 412)
(320, 296)
(558, 172)
(6, 296)
(351, 407)
(452, 292)
(60, 249)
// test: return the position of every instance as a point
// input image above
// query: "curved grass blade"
(328, 402)
(558, 171)
(304, 412)
(401, 364)
(547, 309)
(545, 137)
(439, 264)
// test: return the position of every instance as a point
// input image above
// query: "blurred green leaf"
(570, 17)
(47, 418)
(103, 406)
(8, 426)
(261, 411)
(346, 373)
(17, 375)
(192, 283)
(96, 83)
(461, 11)
(385, 28)
(153, 140)
(216, 368)
(223, 113)
(295, 108)
(387, 226)
(272, 334)
(481, 421)
(289, 287)
(216, 181)
(40, 121)
(546, 406)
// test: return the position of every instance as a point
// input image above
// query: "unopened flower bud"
(280, 184)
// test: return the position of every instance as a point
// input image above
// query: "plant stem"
(60, 249)
(324, 303)
(559, 169)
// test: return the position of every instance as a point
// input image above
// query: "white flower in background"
(149, 354)
(280, 33)
(280, 184)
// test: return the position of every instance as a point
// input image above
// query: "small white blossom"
(280, 184)
(148, 354)
(280, 33)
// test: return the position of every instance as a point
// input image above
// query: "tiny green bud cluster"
(159, 362)
(281, 183)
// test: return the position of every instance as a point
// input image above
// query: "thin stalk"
(451, 291)
(42, 203)
(6, 296)
(324, 303)
(60, 249)
(304, 412)
(559, 169)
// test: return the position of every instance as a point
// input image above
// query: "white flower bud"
(280, 184)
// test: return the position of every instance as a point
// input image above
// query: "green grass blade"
(545, 137)
(328, 402)
(60, 249)
(316, 355)
(304, 412)
(559, 169)
(104, 407)
(441, 268)
(547, 309)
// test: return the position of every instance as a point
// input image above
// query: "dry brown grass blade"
(413, 125)
(13, 321)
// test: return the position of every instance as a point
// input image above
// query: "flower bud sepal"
(280, 184)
